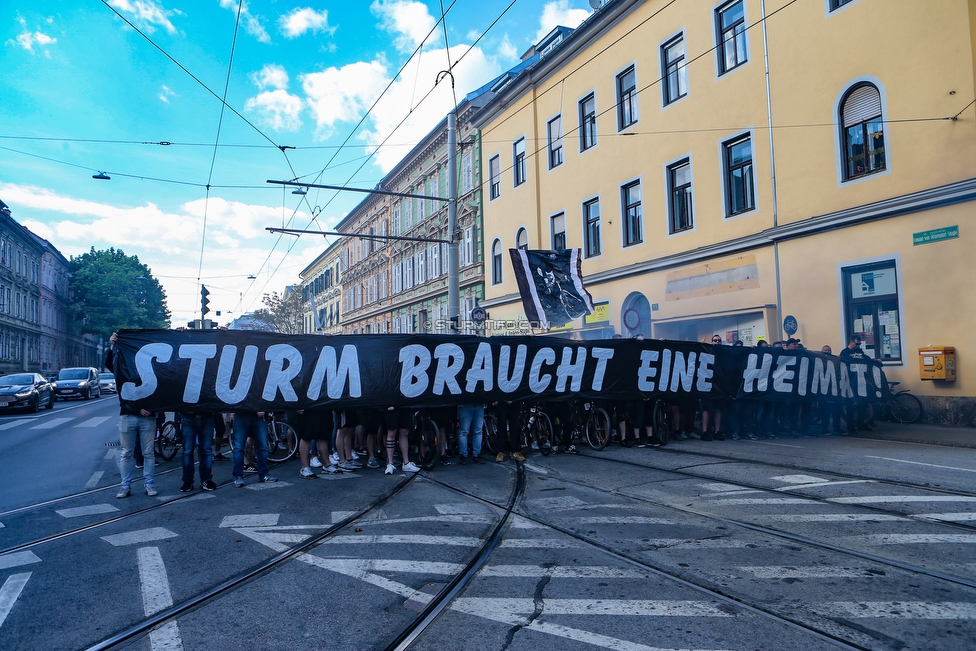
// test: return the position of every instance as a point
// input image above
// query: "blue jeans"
(133, 429)
(250, 424)
(197, 433)
(471, 418)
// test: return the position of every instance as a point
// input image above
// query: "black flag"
(551, 285)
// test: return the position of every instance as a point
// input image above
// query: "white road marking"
(462, 519)
(892, 499)
(51, 424)
(265, 486)
(254, 520)
(339, 516)
(919, 463)
(824, 483)
(141, 536)
(79, 511)
(10, 592)
(950, 517)
(95, 478)
(836, 517)
(518, 522)
(784, 572)
(15, 423)
(363, 565)
(624, 519)
(762, 500)
(156, 597)
(451, 541)
(627, 607)
(17, 559)
(729, 488)
(779, 445)
(916, 539)
(560, 572)
(457, 509)
(799, 479)
(1, 525)
(707, 543)
(565, 502)
(898, 609)
(192, 498)
(537, 543)
(93, 422)
(113, 453)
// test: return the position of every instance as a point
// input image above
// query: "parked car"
(28, 391)
(106, 382)
(81, 382)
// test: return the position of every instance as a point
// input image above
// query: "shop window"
(871, 309)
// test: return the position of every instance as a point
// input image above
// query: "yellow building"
(322, 292)
(734, 167)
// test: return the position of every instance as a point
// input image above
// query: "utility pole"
(453, 267)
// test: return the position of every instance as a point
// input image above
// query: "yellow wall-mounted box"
(937, 363)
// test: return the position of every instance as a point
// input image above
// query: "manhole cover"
(113, 444)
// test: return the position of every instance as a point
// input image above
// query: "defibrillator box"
(937, 363)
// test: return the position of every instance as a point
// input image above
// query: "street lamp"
(102, 176)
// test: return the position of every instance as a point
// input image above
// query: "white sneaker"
(535, 445)
(390, 469)
(410, 466)
(334, 458)
(355, 457)
(306, 473)
(315, 463)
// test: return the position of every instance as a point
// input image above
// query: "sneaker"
(410, 466)
(186, 487)
(306, 473)
(238, 482)
(641, 443)
(681, 436)
(572, 450)
(250, 469)
(500, 457)
(334, 458)
(373, 463)
(547, 445)
(332, 469)
(267, 479)
(390, 469)
(152, 492)
(138, 465)
(752, 437)
(735, 436)
(315, 463)
(706, 436)
(208, 485)
(445, 460)
(719, 436)
(350, 465)
(462, 461)
(518, 456)
(477, 459)
(627, 443)
(535, 445)
(123, 493)
(355, 456)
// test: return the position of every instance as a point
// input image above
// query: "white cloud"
(343, 94)
(411, 21)
(147, 14)
(558, 13)
(277, 109)
(507, 50)
(27, 40)
(166, 94)
(252, 23)
(301, 20)
(271, 75)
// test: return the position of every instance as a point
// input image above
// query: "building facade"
(321, 289)
(55, 301)
(725, 171)
(20, 296)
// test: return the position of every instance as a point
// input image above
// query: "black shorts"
(344, 418)
(313, 425)
(370, 419)
(445, 417)
(399, 418)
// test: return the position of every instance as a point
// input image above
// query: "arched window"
(522, 239)
(862, 131)
(496, 262)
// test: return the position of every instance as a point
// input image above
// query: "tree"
(283, 313)
(111, 290)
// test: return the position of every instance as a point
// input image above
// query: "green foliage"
(111, 290)
(283, 313)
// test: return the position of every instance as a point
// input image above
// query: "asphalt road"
(826, 543)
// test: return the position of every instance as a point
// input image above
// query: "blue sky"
(84, 92)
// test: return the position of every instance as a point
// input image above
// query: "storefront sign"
(601, 314)
(937, 235)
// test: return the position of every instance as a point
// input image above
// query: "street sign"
(479, 316)
(936, 235)
(790, 325)
(632, 319)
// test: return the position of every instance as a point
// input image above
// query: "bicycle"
(586, 421)
(536, 429)
(282, 439)
(424, 439)
(901, 406)
(661, 421)
(168, 439)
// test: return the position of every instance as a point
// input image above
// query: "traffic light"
(204, 301)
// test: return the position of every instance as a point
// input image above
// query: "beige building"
(723, 169)
(321, 289)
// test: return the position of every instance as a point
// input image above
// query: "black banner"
(229, 370)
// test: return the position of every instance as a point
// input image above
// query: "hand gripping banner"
(229, 370)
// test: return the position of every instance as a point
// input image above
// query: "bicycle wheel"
(427, 443)
(542, 433)
(598, 429)
(905, 408)
(282, 442)
(167, 443)
(489, 438)
(661, 424)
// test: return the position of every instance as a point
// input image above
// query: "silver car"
(106, 382)
(81, 382)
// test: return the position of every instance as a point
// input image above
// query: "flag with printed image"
(551, 285)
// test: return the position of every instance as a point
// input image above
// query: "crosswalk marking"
(824, 483)
(156, 596)
(891, 499)
(451, 541)
(950, 517)
(920, 463)
(16, 423)
(561, 572)
(626, 607)
(10, 592)
(747, 501)
(16, 559)
(141, 536)
(916, 539)
(51, 424)
(95, 478)
(93, 509)
(624, 519)
(93, 422)
(834, 517)
(784, 572)
(252, 520)
(898, 609)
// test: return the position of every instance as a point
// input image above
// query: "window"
(680, 213)
(587, 120)
(730, 23)
(467, 173)
(591, 219)
(837, 4)
(632, 213)
(558, 229)
(518, 158)
(522, 239)
(675, 70)
(863, 132)
(739, 182)
(871, 309)
(626, 98)
(496, 262)
(555, 131)
(495, 178)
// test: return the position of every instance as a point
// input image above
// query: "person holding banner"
(509, 430)
(471, 419)
(251, 423)
(136, 427)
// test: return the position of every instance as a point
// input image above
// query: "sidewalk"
(960, 437)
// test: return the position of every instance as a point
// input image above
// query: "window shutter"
(861, 105)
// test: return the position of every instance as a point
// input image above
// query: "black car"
(80, 382)
(28, 391)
